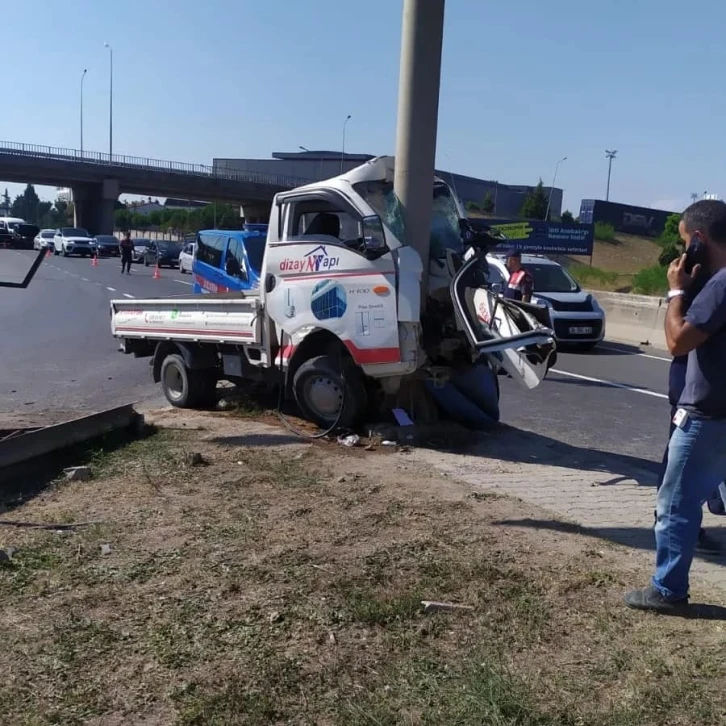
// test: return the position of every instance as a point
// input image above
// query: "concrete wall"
(635, 319)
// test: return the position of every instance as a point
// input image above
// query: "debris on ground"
(193, 458)
(349, 440)
(105, 549)
(433, 606)
(77, 473)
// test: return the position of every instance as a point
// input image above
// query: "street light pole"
(83, 77)
(610, 156)
(110, 104)
(554, 179)
(342, 153)
(422, 33)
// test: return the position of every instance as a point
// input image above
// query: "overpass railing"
(98, 158)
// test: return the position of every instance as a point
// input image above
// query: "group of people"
(695, 460)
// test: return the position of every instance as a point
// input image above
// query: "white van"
(7, 226)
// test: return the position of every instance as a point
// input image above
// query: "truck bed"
(201, 318)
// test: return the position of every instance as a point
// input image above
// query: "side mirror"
(374, 238)
(496, 287)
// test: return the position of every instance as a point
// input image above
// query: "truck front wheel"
(185, 388)
(329, 389)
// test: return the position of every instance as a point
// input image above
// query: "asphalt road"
(57, 359)
(57, 356)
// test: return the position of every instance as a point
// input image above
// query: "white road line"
(184, 282)
(85, 279)
(111, 289)
(642, 355)
(127, 295)
(612, 384)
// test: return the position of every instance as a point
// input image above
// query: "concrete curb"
(27, 446)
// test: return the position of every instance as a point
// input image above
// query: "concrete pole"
(418, 111)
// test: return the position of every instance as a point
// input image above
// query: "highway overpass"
(97, 179)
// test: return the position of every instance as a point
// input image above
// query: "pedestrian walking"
(127, 249)
(696, 452)
(520, 283)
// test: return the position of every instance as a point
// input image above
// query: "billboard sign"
(543, 238)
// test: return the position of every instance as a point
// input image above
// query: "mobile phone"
(695, 254)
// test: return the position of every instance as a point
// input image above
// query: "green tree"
(567, 217)
(670, 252)
(122, 219)
(535, 203)
(472, 207)
(487, 205)
(26, 205)
(670, 234)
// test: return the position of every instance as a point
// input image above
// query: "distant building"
(317, 165)
(63, 194)
(188, 204)
(625, 217)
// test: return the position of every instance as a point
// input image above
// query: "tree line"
(28, 206)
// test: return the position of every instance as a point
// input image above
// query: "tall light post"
(342, 153)
(110, 103)
(83, 77)
(610, 155)
(552, 188)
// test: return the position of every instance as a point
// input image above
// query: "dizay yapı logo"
(317, 260)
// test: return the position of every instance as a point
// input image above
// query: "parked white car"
(186, 258)
(575, 315)
(44, 239)
(74, 241)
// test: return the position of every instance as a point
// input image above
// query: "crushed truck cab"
(336, 318)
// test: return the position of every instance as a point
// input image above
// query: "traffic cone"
(157, 273)
(94, 261)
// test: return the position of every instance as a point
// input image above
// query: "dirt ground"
(280, 581)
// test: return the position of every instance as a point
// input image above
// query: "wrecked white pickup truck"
(337, 317)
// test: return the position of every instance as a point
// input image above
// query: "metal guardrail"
(13, 148)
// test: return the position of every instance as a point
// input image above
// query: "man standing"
(127, 248)
(696, 451)
(520, 283)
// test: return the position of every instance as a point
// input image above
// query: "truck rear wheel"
(185, 388)
(327, 389)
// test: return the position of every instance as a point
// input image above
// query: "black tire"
(65, 253)
(340, 387)
(55, 252)
(186, 388)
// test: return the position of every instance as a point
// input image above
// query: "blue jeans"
(696, 466)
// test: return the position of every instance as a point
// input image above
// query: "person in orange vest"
(520, 283)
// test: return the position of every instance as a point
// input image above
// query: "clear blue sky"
(523, 84)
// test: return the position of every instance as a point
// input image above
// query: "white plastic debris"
(350, 440)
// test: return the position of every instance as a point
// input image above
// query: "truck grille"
(571, 307)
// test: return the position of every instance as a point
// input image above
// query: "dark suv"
(163, 252)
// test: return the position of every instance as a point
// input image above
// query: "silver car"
(575, 315)
(44, 240)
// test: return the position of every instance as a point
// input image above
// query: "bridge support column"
(255, 213)
(93, 206)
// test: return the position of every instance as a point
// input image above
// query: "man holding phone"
(696, 451)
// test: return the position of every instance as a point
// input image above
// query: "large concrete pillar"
(93, 206)
(255, 213)
(418, 112)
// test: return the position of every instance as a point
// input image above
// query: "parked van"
(7, 227)
(227, 261)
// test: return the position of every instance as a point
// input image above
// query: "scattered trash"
(331, 638)
(275, 617)
(226, 405)
(341, 480)
(402, 417)
(432, 606)
(350, 440)
(193, 458)
(479, 495)
(105, 549)
(11, 552)
(77, 473)
(388, 443)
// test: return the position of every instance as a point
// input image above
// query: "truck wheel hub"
(325, 396)
(174, 382)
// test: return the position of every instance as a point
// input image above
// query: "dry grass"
(282, 585)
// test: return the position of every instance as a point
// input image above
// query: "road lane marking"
(85, 279)
(184, 282)
(111, 289)
(127, 295)
(612, 384)
(627, 352)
